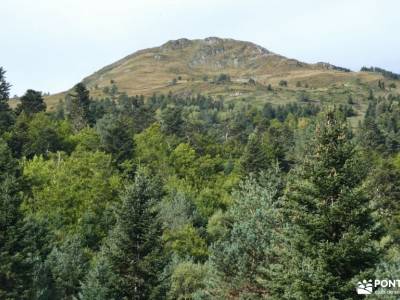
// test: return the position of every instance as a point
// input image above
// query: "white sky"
(49, 45)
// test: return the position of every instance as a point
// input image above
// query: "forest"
(194, 197)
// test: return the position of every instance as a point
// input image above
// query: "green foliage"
(171, 120)
(4, 86)
(255, 157)
(8, 165)
(133, 250)
(187, 280)
(247, 246)
(222, 78)
(186, 243)
(90, 218)
(86, 140)
(283, 83)
(303, 97)
(31, 102)
(384, 72)
(177, 210)
(68, 264)
(116, 138)
(384, 190)
(77, 106)
(252, 81)
(329, 242)
(152, 149)
(380, 129)
(70, 191)
(6, 115)
(101, 281)
(15, 267)
(38, 135)
(21, 241)
(350, 100)
(182, 159)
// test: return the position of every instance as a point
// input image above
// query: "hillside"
(194, 66)
(199, 197)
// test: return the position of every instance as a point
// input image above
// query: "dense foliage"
(384, 72)
(191, 197)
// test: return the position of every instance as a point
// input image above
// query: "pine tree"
(116, 137)
(255, 157)
(77, 106)
(32, 102)
(241, 256)
(83, 98)
(67, 264)
(171, 120)
(371, 136)
(17, 241)
(330, 235)
(384, 189)
(6, 115)
(130, 261)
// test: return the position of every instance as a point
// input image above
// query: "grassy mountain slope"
(190, 66)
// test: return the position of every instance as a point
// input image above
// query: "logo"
(379, 287)
(365, 287)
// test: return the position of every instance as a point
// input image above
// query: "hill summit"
(230, 69)
(189, 64)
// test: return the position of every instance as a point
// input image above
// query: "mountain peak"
(190, 65)
(214, 42)
(177, 44)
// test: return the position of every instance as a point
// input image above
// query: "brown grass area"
(152, 70)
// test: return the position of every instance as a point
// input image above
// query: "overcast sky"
(49, 45)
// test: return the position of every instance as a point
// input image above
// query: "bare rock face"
(212, 40)
(220, 53)
(176, 44)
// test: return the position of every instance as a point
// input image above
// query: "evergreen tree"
(241, 256)
(15, 268)
(131, 258)
(6, 115)
(330, 234)
(4, 87)
(20, 240)
(32, 102)
(77, 106)
(83, 97)
(384, 189)
(67, 264)
(116, 137)
(254, 158)
(371, 137)
(171, 120)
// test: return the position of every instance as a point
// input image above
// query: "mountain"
(229, 68)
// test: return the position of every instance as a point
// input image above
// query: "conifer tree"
(77, 106)
(17, 241)
(116, 137)
(32, 102)
(6, 115)
(371, 137)
(171, 120)
(245, 251)
(254, 158)
(330, 234)
(130, 261)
